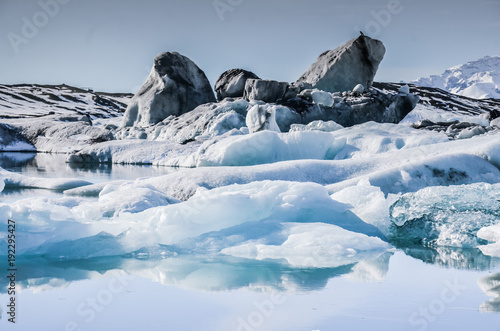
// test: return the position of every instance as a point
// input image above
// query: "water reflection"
(491, 286)
(452, 257)
(202, 273)
(54, 165)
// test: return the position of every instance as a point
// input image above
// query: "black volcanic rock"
(232, 83)
(264, 90)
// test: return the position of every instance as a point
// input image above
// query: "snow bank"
(447, 216)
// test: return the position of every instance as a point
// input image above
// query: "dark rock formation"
(351, 110)
(264, 90)
(175, 86)
(232, 83)
(341, 69)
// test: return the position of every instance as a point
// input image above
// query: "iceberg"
(446, 216)
(269, 147)
(317, 245)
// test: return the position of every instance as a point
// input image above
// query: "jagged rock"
(176, 85)
(264, 90)
(348, 111)
(262, 118)
(341, 69)
(232, 83)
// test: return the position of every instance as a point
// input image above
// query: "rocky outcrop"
(348, 110)
(355, 62)
(232, 83)
(176, 85)
(264, 90)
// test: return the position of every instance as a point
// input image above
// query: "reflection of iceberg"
(371, 270)
(452, 257)
(202, 273)
(491, 286)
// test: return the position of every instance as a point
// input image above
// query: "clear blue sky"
(109, 44)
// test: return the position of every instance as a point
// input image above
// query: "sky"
(109, 45)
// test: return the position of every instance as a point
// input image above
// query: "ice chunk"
(446, 216)
(13, 180)
(471, 132)
(358, 88)
(116, 199)
(491, 234)
(314, 245)
(262, 118)
(328, 126)
(369, 203)
(233, 205)
(404, 89)
(269, 147)
(322, 98)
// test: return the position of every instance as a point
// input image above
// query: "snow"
(328, 126)
(435, 115)
(478, 79)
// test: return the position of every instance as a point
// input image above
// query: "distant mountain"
(32, 100)
(436, 99)
(476, 79)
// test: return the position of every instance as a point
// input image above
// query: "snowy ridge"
(32, 100)
(476, 79)
(435, 99)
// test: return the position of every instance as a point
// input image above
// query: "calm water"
(408, 289)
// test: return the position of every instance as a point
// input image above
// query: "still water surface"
(408, 289)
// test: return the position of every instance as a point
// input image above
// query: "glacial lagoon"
(403, 288)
